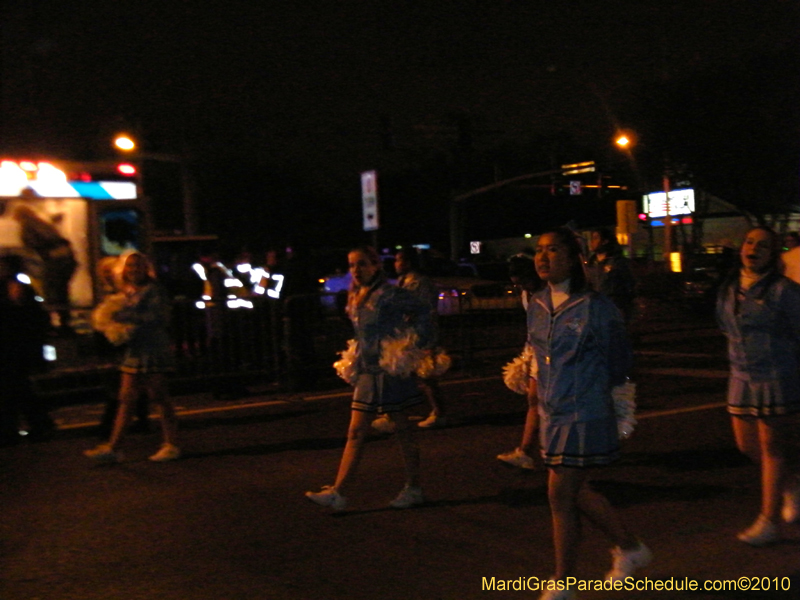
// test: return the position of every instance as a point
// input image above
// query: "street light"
(626, 140)
(127, 143)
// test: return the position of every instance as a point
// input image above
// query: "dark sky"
(306, 83)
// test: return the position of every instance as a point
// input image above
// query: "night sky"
(284, 91)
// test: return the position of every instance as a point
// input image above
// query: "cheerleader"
(384, 381)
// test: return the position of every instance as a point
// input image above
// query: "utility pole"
(667, 221)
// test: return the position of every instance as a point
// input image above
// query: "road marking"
(676, 354)
(678, 372)
(678, 411)
(242, 406)
(195, 411)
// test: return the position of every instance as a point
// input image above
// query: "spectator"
(522, 273)
(58, 261)
(610, 272)
(790, 259)
(23, 327)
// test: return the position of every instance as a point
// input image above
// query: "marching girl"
(379, 312)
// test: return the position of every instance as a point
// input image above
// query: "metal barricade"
(479, 336)
(216, 340)
(292, 343)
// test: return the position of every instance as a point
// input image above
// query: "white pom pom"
(346, 366)
(103, 320)
(517, 372)
(625, 408)
(118, 333)
(434, 364)
(400, 355)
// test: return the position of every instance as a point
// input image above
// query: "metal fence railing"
(294, 342)
(291, 344)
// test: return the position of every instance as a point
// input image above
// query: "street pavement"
(229, 520)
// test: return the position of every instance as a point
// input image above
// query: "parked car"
(467, 286)
(458, 295)
(461, 289)
(334, 291)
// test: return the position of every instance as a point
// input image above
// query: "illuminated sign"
(681, 202)
(43, 180)
(15, 177)
(105, 190)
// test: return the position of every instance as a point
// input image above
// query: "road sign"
(575, 188)
(369, 200)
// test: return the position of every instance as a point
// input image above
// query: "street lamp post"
(668, 220)
(626, 141)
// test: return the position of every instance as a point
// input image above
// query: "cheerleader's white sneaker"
(627, 561)
(408, 497)
(790, 512)
(166, 453)
(517, 458)
(328, 497)
(433, 422)
(384, 424)
(761, 533)
(103, 454)
(558, 595)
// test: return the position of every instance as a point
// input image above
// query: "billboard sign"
(681, 202)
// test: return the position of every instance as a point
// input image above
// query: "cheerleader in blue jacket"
(379, 312)
(579, 342)
(758, 310)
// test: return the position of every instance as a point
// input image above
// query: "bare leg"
(435, 397)
(761, 442)
(158, 392)
(409, 448)
(602, 515)
(773, 468)
(563, 487)
(745, 431)
(356, 434)
(529, 440)
(128, 393)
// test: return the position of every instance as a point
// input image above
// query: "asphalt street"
(229, 520)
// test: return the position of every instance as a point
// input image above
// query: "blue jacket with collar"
(387, 312)
(582, 352)
(763, 330)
